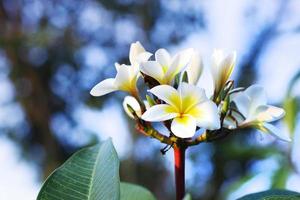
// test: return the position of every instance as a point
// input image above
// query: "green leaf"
(134, 192)
(272, 195)
(90, 174)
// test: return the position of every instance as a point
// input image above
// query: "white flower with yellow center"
(188, 107)
(253, 111)
(165, 67)
(127, 75)
(221, 69)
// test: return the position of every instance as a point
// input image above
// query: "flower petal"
(153, 69)
(179, 62)
(269, 128)
(104, 87)
(185, 57)
(194, 68)
(134, 104)
(191, 95)
(117, 66)
(135, 49)
(266, 113)
(172, 70)
(184, 127)
(226, 67)
(143, 57)
(163, 57)
(222, 68)
(206, 115)
(159, 113)
(242, 102)
(125, 79)
(257, 96)
(168, 94)
(217, 58)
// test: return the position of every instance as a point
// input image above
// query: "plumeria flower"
(194, 68)
(253, 111)
(165, 67)
(188, 106)
(221, 69)
(127, 75)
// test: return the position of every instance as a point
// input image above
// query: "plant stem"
(179, 160)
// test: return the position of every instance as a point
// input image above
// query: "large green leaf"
(90, 174)
(273, 195)
(134, 192)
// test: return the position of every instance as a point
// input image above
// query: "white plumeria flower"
(221, 69)
(194, 68)
(188, 107)
(127, 75)
(165, 67)
(252, 104)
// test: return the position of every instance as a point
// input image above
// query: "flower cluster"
(175, 99)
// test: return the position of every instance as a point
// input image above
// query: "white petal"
(268, 113)
(276, 132)
(135, 49)
(191, 95)
(163, 57)
(125, 79)
(143, 57)
(185, 57)
(222, 68)
(195, 68)
(206, 115)
(217, 58)
(134, 104)
(206, 82)
(257, 96)
(117, 66)
(159, 113)
(184, 127)
(179, 62)
(173, 69)
(242, 103)
(168, 94)
(104, 87)
(227, 66)
(152, 69)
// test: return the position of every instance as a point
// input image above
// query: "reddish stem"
(179, 157)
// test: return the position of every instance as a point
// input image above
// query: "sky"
(227, 28)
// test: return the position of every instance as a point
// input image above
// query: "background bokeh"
(53, 52)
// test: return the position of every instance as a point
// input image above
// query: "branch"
(148, 130)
